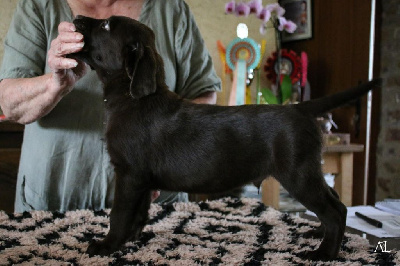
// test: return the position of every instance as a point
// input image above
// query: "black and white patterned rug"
(223, 232)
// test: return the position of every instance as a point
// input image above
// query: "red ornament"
(290, 65)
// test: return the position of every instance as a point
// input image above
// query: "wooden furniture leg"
(344, 179)
(270, 189)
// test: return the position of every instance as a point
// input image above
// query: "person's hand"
(66, 71)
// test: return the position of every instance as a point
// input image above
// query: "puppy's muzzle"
(80, 24)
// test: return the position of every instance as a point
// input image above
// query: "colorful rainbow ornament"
(290, 65)
(242, 54)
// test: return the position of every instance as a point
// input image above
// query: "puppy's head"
(120, 45)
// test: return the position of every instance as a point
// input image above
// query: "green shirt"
(64, 163)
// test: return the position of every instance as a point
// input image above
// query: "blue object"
(246, 49)
(241, 82)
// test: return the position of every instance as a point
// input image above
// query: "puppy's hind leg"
(311, 190)
(319, 231)
(127, 219)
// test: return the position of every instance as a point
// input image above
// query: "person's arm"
(25, 100)
(209, 97)
(197, 79)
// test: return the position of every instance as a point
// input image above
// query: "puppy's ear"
(140, 67)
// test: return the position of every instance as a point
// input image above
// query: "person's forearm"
(209, 97)
(25, 100)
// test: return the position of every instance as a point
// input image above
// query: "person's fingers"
(81, 69)
(68, 41)
(57, 52)
(60, 48)
(66, 71)
(65, 26)
(67, 33)
(70, 37)
(60, 63)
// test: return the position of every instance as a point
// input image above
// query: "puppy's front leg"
(127, 219)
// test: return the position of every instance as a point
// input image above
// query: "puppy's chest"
(122, 127)
(140, 124)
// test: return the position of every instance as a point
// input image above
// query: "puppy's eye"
(105, 25)
(99, 58)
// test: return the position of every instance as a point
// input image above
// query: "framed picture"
(298, 11)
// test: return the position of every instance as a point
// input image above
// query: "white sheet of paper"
(357, 223)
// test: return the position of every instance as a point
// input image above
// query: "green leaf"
(286, 88)
(268, 96)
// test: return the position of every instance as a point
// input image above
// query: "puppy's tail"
(322, 105)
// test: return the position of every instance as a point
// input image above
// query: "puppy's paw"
(101, 248)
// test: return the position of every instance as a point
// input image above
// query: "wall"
(388, 154)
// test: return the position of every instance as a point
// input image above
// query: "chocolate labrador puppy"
(157, 140)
